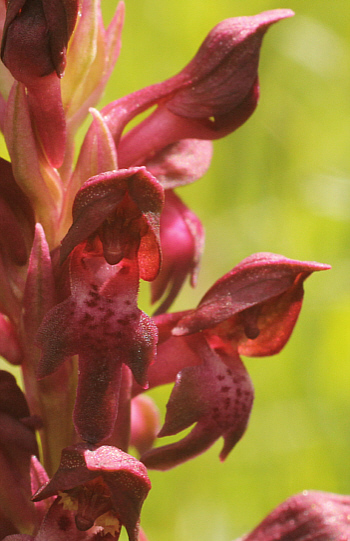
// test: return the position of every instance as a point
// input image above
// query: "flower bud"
(33, 48)
(35, 37)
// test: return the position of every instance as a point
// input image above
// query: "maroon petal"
(220, 82)
(96, 405)
(173, 354)
(182, 242)
(217, 395)
(225, 68)
(25, 48)
(16, 217)
(181, 163)
(35, 37)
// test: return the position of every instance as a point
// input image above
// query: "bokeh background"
(281, 183)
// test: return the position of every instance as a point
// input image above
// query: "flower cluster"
(76, 239)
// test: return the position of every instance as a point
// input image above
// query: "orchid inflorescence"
(78, 235)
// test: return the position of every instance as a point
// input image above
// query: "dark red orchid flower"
(216, 394)
(102, 486)
(211, 97)
(252, 311)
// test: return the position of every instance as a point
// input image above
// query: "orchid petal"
(182, 242)
(181, 163)
(33, 47)
(173, 353)
(100, 321)
(35, 37)
(211, 97)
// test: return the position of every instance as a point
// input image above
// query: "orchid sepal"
(124, 208)
(255, 306)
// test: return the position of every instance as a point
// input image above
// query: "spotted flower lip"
(99, 321)
(98, 480)
(215, 393)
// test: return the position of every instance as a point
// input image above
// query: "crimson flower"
(251, 311)
(115, 240)
(211, 97)
(101, 486)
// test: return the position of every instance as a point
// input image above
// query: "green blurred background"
(281, 184)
